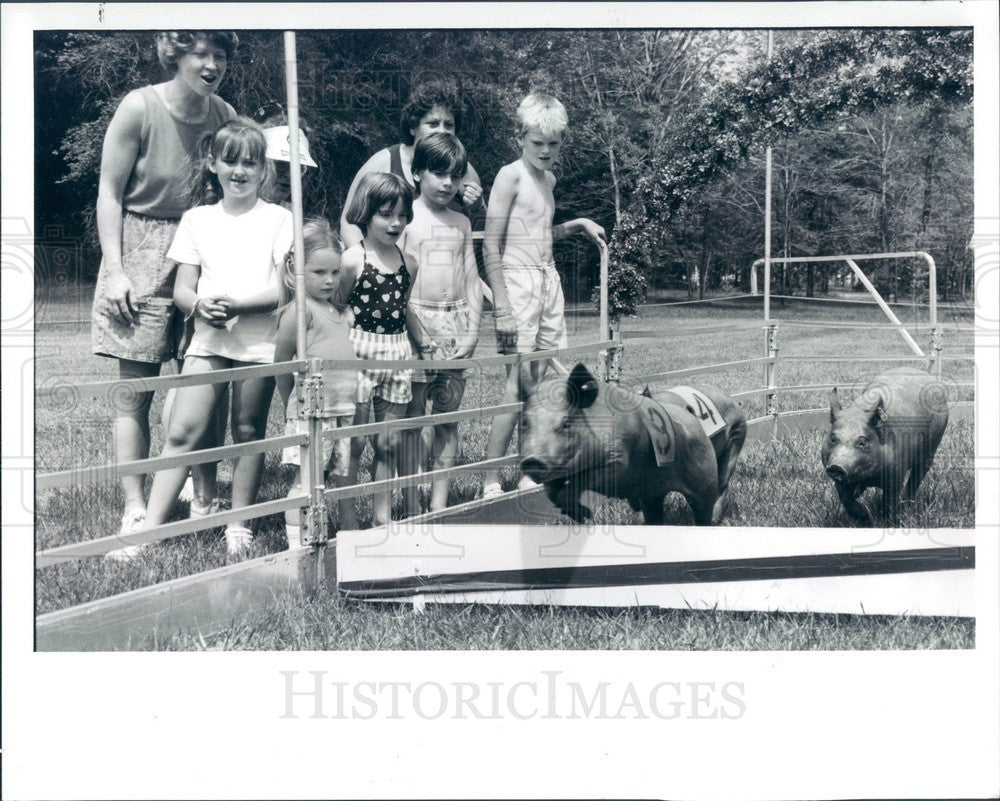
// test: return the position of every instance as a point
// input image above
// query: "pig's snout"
(533, 468)
(836, 472)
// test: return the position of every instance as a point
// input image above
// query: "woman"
(432, 107)
(145, 165)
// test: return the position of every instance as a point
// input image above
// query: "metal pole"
(310, 461)
(770, 372)
(884, 306)
(604, 332)
(767, 208)
(769, 328)
(613, 362)
(604, 294)
(295, 172)
(936, 333)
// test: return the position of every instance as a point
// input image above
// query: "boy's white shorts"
(536, 299)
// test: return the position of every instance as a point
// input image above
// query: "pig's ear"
(581, 387)
(877, 419)
(834, 404)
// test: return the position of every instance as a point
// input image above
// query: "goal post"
(851, 260)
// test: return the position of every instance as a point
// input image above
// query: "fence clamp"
(770, 370)
(613, 362)
(937, 345)
(313, 518)
(937, 338)
(313, 522)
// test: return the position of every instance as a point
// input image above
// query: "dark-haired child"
(381, 207)
(446, 301)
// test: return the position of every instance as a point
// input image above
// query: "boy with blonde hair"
(517, 246)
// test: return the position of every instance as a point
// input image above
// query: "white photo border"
(211, 725)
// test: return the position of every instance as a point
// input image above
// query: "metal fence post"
(937, 344)
(313, 518)
(770, 372)
(613, 358)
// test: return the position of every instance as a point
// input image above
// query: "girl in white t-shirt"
(228, 256)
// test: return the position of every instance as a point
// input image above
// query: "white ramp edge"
(851, 571)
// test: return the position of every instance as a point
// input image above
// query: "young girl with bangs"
(381, 207)
(228, 253)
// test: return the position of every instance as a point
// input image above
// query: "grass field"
(777, 484)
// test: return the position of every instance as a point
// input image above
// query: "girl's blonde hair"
(317, 234)
(238, 138)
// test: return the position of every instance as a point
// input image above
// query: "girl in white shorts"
(228, 255)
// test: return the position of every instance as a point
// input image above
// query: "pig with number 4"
(886, 438)
(585, 434)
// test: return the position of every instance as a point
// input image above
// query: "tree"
(818, 79)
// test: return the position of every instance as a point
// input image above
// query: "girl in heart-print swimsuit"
(382, 207)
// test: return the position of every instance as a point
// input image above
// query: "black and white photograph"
(689, 315)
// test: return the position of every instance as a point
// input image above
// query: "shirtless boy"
(517, 244)
(446, 300)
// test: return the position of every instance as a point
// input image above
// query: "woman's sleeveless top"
(157, 186)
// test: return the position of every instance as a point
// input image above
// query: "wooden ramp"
(856, 571)
(204, 603)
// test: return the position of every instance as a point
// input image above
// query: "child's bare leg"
(503, 426)
(131, 428)
(251, 401)
(348, 508)
(203, 476)
(388, 453)
(192, 414)
(412, 447)
(292, 515)
(443, 452)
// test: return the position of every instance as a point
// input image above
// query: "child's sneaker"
(238, 540)
(293, 535)
(187, 491)
(492, 490)
(526, 482)
(132, 521)
(211, 508)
